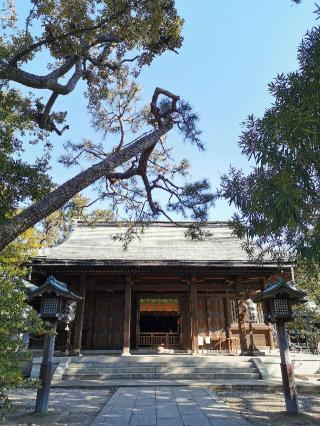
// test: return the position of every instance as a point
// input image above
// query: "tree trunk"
(58, 198)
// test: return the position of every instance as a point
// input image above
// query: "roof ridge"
(83, 223)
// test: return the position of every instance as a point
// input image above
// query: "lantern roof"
(28, 287)
(52, 285)
(281, 288)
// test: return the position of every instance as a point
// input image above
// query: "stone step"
(146, 369)
(161, 358)
(111, 369)
(156, 376)
(187, 364)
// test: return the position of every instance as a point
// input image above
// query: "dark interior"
(158, 323)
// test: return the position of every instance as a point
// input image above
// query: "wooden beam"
(127, 316)
(194, 318)
(80, 316)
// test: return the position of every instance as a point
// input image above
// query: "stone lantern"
(279, 297)
(57, 304)
(56, 300)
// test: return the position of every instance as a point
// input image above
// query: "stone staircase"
(160, 369)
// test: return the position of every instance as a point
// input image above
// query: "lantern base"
(253, 351)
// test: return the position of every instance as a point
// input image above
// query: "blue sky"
(232, 50)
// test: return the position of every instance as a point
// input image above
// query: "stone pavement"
(167, 406)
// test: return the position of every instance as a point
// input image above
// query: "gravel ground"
(80, 406)
(66, 407)
(261, 408)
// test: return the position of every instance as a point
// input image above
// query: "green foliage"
(100, 35)
(16, 317)
(305, 326)
(307, 321)
(20, 181)
(93, 38)
(53, 229)
(307, 277)
(105, 43)
(278, 202)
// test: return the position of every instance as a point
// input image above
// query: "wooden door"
(102, 329)
(103, 321)
(202, 315)
(216, 320)
(116, 322)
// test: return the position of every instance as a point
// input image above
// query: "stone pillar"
(80, 316)
(241, 312)
(194, 319)
(127, 317)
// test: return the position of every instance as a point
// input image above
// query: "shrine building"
(163, 291)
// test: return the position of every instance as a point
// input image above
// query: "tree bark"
(49, 81)
(58, 198)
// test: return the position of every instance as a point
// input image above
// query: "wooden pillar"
(227, 321)
(241, 312)
(127, 317)
(138, 323)
(185, 323)
(194, 317)
(270, 329)
(80, 316)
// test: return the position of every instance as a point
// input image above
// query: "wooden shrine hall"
(164, 291)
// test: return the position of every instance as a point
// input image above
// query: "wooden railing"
(154, 340)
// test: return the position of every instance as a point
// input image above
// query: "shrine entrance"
(159, 323)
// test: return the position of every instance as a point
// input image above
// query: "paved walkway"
(167, 406)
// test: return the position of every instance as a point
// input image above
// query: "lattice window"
(281, 307)
(159, 300)
(49, 306)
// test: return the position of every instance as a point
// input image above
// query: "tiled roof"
(159, 243)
